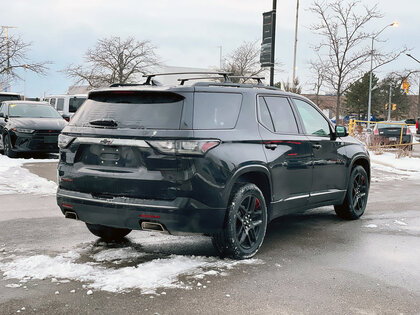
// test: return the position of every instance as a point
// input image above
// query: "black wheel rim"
(359, 193)
(249, 220)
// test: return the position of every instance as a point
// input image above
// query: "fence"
(352, 128)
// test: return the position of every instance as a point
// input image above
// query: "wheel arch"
(362, 161)
(256, 174)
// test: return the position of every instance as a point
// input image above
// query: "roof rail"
(183, 80)
(149, 77)
(258, 79)
(124, 84)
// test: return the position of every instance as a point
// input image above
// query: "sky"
(187, 33)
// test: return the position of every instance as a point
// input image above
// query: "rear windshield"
(381, 126)
(143, 110)
(75, 102)
(9, 98)
(216, 110)
(32, 111)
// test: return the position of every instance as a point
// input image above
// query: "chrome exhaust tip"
(152, 226)
(71, 215)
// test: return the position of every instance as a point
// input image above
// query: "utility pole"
(8, 55)
(220, 57)
(296, 40)
(24, 81)
(389, 103)
(273, 43)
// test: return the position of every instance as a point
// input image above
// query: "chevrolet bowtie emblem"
(106, 141)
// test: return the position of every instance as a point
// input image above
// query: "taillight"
(184, 147)
(408, 130)
(376, 131)
(67, 119)
(417, 124)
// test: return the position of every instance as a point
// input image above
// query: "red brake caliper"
(257, 204)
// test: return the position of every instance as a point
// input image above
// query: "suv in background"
(66, 105)
(220, 159)
(9, 96)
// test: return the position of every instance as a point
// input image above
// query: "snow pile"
(147, 276)
(403, 164)
(14, 179)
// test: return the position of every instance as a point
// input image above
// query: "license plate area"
(392, 138)
(50, 139)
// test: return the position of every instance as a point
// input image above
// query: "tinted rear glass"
(381, 126)
(143, 110)
(9, 98)
(216, 110)
(75, 102)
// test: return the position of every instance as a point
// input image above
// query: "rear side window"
(216, 110)
(131, 109)
(282, 115)
(52, 102)
(75, 102)
(60, 104)
(6, 97)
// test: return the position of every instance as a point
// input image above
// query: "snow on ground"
(134, 270)
(395, 169)
(14, 179)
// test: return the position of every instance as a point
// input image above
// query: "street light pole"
(371, 70)
(273, 44)
(296, 40)
(389, 102)
(220, 57)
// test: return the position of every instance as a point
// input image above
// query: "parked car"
(220, 159)
(418, 129)
(27, 126)
(390, 133)
(9, 96)
(66, 105)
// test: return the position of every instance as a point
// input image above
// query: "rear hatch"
(391, 130)
(124, 143)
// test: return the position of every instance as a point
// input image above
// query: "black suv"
(220, 159)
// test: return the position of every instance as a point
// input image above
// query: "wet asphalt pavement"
(312, 263)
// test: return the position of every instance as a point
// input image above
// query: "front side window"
(60, 104)
(315, 124)
(281, 114)
(216, 110)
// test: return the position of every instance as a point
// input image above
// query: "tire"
(246, 223)
(354, 204)
(7, 147)
(107, 233)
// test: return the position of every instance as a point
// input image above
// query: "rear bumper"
(182, 215)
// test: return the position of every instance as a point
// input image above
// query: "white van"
(65, 104)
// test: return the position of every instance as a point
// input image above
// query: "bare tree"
(114, 60)
(244, 61)
(344, 50)
(317, 68)
(14, 55)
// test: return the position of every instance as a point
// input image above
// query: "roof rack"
(149, 77)
(258, 79)
(183, 80)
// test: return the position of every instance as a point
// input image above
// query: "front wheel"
(7, 147)
(355, 202)
(107, 233)
(246, 223)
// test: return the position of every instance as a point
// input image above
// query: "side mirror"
(341, 131)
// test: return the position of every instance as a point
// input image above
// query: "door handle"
(271, 146)
(316, 146)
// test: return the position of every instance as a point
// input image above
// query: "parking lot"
(309, 263)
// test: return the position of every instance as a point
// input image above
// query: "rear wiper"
(104, 122)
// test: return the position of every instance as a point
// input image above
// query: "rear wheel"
(7, 147)
(354, 204)
(107, 233)
(246, 223)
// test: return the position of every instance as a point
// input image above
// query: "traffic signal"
(394, 106)
(405, 86)
(386, 106)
